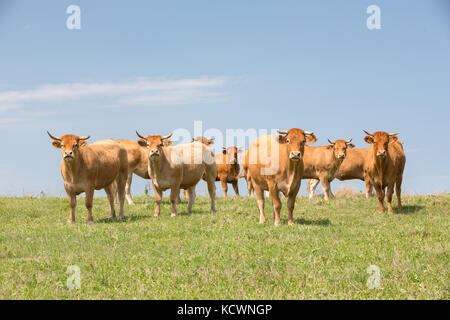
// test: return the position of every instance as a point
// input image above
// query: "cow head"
(69, 145)
(231, 154)
(295, 139)
(380, 141)
(153, 143)
(339, 148)
(204, 140)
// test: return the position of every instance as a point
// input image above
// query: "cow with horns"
(324, 161)
(276, 164)
(384, 166)
(86, 168)
(179, 167)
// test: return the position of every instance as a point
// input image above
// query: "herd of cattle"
(272, 163)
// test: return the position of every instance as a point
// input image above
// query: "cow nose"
(381, 153)
(341, 156)
(295, 155)
(68, 153)
(154, 152)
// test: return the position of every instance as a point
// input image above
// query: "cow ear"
(330, 146)
(224, 151)
(142, 142)
(281, 139)
(56, 144)
(393, 139)
(209, 143)
(368, 139)
(350, 145)
(311, 139)
(82, 143)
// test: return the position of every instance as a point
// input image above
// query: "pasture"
(227, 254)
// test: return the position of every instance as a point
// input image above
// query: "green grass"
(225, 255)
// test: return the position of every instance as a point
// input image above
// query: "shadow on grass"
(317, 222)
(124, 219)
(410, 209)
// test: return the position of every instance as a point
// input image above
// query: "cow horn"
(394, 134)
(211, 139)
(54, 138)
(348, 141)
(370, 134)
(84, 138)
(282, 132)
(140, 136)
(309, 133)
(332, 142)
(166, 137)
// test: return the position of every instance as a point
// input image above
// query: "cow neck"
(155, 165)
(70, 169)
(380, 165)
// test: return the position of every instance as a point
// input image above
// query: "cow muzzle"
(68, 155)
(295, 155)
(154, 153)
(381, 154)
(341, 156)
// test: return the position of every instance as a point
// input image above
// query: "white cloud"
(139, 91)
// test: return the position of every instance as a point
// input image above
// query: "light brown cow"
(245, 174)
(323, 162)
(204, 140)
(137, 163)
(228, 168)
(179, 167)
(86, 168)
(276, 164)
(384, 166)
(351, 168)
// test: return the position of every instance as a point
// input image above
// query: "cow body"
(245, 174)
(351, 168)
(86, 168)
(384, 165)
(323, 162)
(228, 169)
(275, 164)
(179, 167)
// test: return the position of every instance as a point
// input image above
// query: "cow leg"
(110, 193)
(369, 191)
(260, 202)
(380, 195)
(312, 185)
(72, 205)
(210, 177)
(235, 187)
(398, 191)
(224, 187)
(276, 202)
(191, 198)
(390, 192)
(174, 197)
(290, 206)
(128, 188)
(158, 198)
(325, 186)
(121, 184)
(88, 203)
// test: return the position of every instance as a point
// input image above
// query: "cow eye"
(288, 141)
(75, 145)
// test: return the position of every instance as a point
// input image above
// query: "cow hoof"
(290, 223)
(70, 221)
(262, 221)
(277, 224)
(90, 222)
(173, 215)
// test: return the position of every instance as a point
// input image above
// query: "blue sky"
(156, 66)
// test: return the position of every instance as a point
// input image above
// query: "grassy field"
(226, 255)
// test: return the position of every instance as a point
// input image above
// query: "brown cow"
(86, 168)
(179, 167)
(351, 168)
(276, 164)
(323, 162)
(204, 140)
(228, 168)
(245, 174)
(137, 163)
(384, 166)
